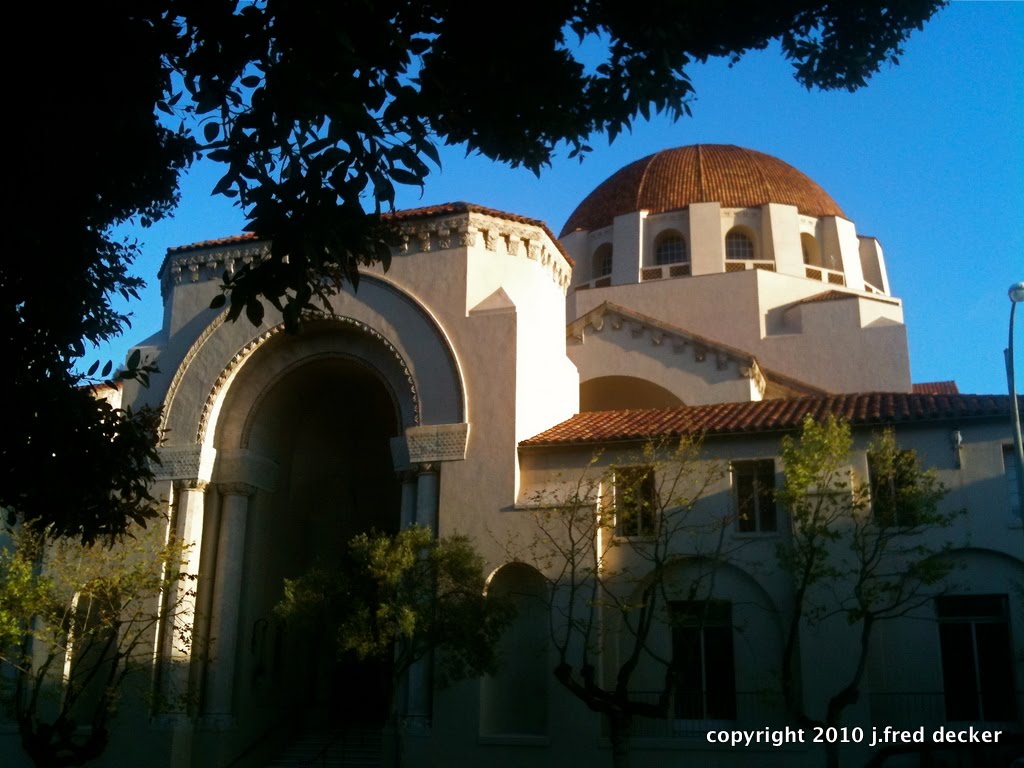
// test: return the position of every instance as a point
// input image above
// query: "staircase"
(333, 748)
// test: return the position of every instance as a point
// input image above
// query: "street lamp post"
(1016, 293)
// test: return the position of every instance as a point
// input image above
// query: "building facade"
(707, 291)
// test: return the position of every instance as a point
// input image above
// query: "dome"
(701, 173)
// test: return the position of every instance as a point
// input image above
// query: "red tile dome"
(701, 173)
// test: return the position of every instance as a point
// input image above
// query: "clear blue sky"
(929, 158)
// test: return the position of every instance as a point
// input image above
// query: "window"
(977, 666)
(702, 660)
(670, 248)
(812, 253)
(603, 260)
(1010, 472)
(635, 501)
(738, 246)
(894, 485)
(754, 484)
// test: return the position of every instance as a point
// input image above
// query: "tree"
(75, 622)
(400, 599)
(316, 111)
(863, 551)
(608, 548)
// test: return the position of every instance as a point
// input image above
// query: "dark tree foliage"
(316, 110)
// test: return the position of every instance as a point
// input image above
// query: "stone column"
(223, 642)
(408, 511)
(427, 496)
(190, 497)
(419, 696)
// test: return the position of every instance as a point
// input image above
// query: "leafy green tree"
(75, 622)
(861, 551)
(315, 110)
(400, 599)
(607, 549)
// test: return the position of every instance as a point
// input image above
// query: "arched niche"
(611, 393)
(513, 702)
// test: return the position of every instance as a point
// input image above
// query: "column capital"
(236, 489)
(191, 484)
(428, 468)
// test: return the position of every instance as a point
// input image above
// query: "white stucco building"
(706, 290)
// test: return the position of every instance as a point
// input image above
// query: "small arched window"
(670, 248)
(603, 260)
(739, 245)
(812, 253)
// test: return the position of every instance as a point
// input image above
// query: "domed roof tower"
(742, 251)
(672, 179)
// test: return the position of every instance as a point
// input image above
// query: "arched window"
(812, 253)
(603, 260)
(513, 701)
(739, 245)
(670, 248)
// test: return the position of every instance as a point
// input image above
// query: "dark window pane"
(994, 669)
(957, 644)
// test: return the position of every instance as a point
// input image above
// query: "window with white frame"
(703, 660)
(977, 660)
(754, 489)
(894, 483)
(603, 260)
(634, 499)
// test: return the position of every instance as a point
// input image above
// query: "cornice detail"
(209, 263)
(608, 315)
(498, 235)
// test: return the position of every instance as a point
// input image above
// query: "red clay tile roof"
(936, 388)
(873, 408)
(702, 173)
(216, 243)
(444, 209)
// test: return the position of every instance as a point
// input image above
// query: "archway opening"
(326, 422)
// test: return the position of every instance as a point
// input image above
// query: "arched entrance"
(319, 409)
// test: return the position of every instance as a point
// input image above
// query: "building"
(706, 289)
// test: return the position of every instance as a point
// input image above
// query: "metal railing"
(753, 709)
(930, 709)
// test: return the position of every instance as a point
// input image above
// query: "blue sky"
(929, 158)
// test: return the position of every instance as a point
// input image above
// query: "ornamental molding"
(210, 263)
(497, 235)
(181, 462)
(469, 229)
(436, 442)
(243, 354)
(659, 334)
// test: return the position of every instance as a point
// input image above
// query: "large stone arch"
(398, 334)
(281, 448)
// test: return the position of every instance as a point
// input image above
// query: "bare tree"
(607, 545)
